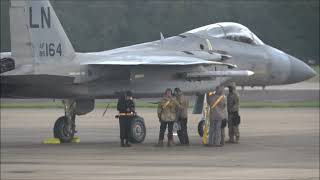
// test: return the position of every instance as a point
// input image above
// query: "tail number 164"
(50, 49)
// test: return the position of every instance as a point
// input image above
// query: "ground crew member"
(233, 114)
(182, 116)
(167, 116)
(218, 112)
(126, 108)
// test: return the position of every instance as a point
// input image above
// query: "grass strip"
(141, 104)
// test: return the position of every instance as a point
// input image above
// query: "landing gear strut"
(64, 127)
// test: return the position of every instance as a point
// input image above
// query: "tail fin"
(37, 35)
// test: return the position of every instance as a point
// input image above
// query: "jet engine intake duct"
(6, 64)
(84, 106)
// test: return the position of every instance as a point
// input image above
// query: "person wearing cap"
(126, 108)
(182, 116)
(167, 115)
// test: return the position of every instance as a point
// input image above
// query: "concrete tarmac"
(275, 144)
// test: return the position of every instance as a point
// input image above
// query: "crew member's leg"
(230, 128)
(127, 130)
(163, 127)
(170, 134)
(122, 121)
(217, 132)
(180, 131)
(222, 136)
(185, 131)
(236, 133)
(236, 127)
(210, 139)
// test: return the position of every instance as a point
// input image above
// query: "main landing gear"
(137, 130)
(65, 128)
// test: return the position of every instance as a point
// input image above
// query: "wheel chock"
(75, 140)
(51, 141)
(57, 141)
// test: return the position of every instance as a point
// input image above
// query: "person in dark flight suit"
(126, 108)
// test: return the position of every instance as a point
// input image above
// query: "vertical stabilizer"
(37, 35)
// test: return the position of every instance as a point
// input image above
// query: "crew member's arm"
(225, 109)
(133, 106)
(234, 103)
(118, 104)
(176, 103)
(121, 105)
(237, 102)
(185, 102)
(159, 110)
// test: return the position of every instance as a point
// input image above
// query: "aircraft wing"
(151, 60)
(148, 56)
(161, 60)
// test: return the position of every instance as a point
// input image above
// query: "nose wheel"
(201, 125)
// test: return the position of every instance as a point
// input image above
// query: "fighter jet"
(44, 64)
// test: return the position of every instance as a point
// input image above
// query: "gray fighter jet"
(43, 64)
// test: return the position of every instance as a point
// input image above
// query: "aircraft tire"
(138, 130)
(60, 131)
(201, 127)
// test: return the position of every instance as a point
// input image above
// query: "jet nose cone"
(300, 71)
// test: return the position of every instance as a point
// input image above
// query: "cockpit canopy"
(228, 30)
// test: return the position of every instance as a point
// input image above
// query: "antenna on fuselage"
(161, 39)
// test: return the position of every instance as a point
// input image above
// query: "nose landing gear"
(201, 125)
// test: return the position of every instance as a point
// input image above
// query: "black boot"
(170, 141)
(127, 144)
(160, 143)
(237, 139)
(122, 143)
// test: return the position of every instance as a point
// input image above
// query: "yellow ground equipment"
(206, 113)
(57, 141)
(51, 141)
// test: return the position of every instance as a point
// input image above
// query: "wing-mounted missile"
(220, 73)
(214, 74)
